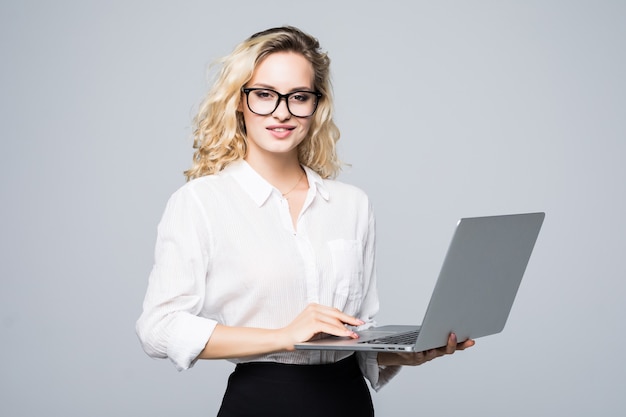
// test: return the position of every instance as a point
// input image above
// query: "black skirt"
(276, 389)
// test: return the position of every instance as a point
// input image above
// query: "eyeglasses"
(263, 101)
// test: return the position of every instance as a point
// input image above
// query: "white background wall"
(448, 109)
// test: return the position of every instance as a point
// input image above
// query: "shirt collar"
(259, 189)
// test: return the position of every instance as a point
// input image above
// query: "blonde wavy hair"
(219, 130)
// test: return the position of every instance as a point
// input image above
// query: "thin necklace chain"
(295, 185)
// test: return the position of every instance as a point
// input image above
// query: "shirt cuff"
(191, 336)
(377, 375)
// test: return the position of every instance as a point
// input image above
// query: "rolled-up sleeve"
(377, 375)
(170, 325)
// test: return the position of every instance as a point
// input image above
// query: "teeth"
(279, 129)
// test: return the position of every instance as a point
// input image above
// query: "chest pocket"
(347, 260)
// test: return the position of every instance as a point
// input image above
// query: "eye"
(265, 94)
(301, 96)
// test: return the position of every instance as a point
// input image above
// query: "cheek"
(306, 126)
(249, 119)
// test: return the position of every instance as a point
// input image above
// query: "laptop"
(473, 295)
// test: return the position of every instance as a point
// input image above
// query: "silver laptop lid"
(480, 277)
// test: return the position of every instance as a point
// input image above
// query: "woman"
(261, 249)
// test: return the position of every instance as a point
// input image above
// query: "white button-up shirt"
(227, 252)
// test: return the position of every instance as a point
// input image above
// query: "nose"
(281, 112)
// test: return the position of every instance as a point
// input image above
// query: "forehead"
(283, 71)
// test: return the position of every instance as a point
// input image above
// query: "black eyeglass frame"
(247, 91)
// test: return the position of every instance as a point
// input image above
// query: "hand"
(315, 319)
(418, 358)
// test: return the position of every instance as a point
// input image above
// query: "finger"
(466, 344)
(340, 329)
(347, 319)
(429, 355)
(329, 321)
(337, 330)
(452, 344)
(340, 315)
(432, 354)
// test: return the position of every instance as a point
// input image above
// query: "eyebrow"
(271, 87)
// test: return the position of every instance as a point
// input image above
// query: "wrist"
(282, 340)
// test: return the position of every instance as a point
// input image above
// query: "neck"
(281, 171)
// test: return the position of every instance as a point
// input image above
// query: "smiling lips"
(280, 131)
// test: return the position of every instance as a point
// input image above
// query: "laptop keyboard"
(396, 339)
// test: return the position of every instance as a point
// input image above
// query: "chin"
(282, 147)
